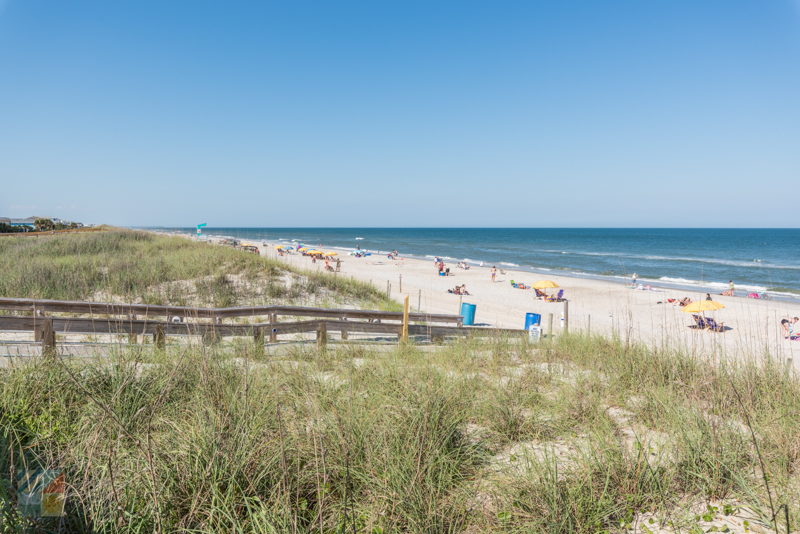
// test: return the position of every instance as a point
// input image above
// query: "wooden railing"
(139, 319)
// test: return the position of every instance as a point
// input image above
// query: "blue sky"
(412, 113)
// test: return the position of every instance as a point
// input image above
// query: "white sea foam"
(715, 285)
(509, 264)
(717, 261)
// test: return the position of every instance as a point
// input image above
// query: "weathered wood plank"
(149, 310)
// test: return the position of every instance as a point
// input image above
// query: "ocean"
(757, 260)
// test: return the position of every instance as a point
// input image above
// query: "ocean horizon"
(758, 260)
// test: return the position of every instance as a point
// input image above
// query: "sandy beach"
(599, 306)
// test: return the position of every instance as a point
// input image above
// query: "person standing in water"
(633, 279)
(730, 288)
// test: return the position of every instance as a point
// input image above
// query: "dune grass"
(580, 434)
(584, 435)
(127, 265)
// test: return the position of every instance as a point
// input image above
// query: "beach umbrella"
(303, 249)
(544, 284)
(329, 253)
(702, 306)
(279, 247)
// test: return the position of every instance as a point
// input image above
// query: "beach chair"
(540, 294)
(513, 284)
(699, 322)
(558, 298)
(712, 325)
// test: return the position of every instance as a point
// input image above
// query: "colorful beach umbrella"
(329, 253)
(544, 284)
(702, 306)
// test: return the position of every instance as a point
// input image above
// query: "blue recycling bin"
(532, 319)
(468, 312)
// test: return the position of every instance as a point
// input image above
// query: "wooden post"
(273, 335)
(404, 334)
(159, 339)
(132, 334)
(419, 301)
(344, 328)
(322, 334)
(45, 334)
(550, 325)
(400, 284)
(566, 316)
(388, 289)
(258, 339)
(589, 324)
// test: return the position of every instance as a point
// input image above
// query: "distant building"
(28, 221)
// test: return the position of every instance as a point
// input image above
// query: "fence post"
(46, 335)
(388, 288)
(344, 328)
(404, 331)
(132, 335)
(258, 339)
(589, 324)
(419, 301)
(550, 325)
(159, 339)
(566, 316)
(273, 335)
(400, 285)
(322, 334)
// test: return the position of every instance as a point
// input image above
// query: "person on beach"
(441, 267)
(494, 273)
(338, 265)
(730, 292)
(787, 330)
(633, 279)
(708, 296)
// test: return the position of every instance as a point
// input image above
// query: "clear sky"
(402, 113)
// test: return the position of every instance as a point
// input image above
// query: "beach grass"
(581, 435)
(134, 266)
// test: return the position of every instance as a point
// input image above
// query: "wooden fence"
(144, 319)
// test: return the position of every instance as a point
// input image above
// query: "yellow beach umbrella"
(544, 284)
(303, 249)
(315, 252)
(329, 253)
(702, 306)
(278, 247)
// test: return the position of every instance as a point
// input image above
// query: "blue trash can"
(468, 312)
(532, 319)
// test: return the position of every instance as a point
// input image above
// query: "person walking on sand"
(494, 273)
(633, 279)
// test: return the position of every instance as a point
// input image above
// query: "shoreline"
(596, 306)
(664, 283)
